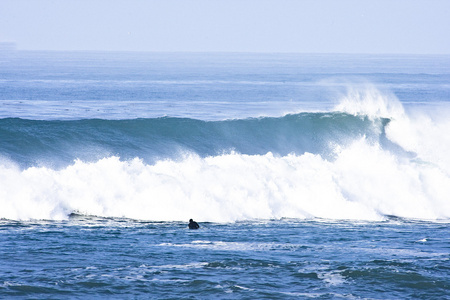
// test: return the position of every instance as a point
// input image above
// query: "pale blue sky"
(309, 26)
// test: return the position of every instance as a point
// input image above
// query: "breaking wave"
(365, 160)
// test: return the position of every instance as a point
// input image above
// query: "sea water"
(311, 176)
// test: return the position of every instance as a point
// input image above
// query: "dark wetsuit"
(193, 224)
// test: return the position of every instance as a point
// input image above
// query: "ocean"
(311, 175)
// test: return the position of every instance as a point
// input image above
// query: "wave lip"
(371, 102)
(59, 143)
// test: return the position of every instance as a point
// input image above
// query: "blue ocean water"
(311, 176)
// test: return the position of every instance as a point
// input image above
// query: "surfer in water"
(193, 224)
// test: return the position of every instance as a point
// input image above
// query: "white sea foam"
(363, 182)
(233, 246)
(422, 132)
(368, 100)
(332, 278)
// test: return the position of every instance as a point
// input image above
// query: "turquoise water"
(311, 176)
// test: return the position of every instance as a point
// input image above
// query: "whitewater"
(364, 160)
(311, 176)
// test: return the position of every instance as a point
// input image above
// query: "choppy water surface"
(120, 258)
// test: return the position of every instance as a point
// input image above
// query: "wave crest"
(367, 161)
(367, 100)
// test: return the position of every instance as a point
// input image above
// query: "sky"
(300, 26)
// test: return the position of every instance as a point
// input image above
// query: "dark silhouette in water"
(193, 224)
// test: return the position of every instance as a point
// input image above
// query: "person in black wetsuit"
(193, 224)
